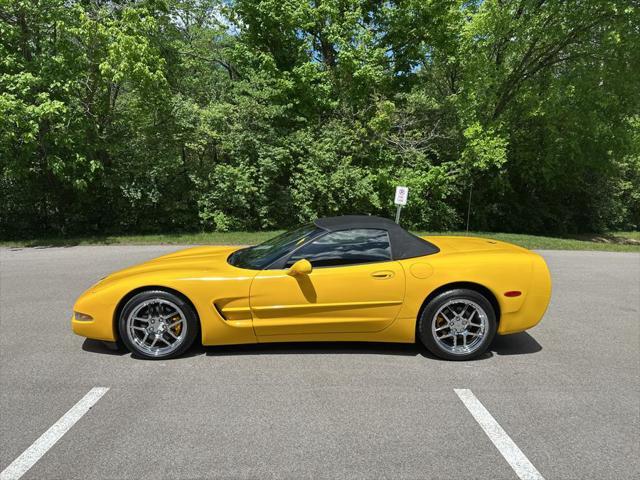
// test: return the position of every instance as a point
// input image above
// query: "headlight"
(82, 317)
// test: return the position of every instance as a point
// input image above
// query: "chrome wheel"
(459, 326)
(157, 327)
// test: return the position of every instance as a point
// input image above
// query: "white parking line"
(31, 455)
(509, 450)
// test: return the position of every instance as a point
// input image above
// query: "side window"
(346, 247)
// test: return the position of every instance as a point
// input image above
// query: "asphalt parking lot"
(566, 393)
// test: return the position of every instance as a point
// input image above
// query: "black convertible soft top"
(403, 243)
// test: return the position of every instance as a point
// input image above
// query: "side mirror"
(301, 267)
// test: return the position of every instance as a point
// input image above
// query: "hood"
(205, 260)
(451, 244)
(195, 254)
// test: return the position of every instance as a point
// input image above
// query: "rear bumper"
(535, 304)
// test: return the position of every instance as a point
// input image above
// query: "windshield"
(263, 255)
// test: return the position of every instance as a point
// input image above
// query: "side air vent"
(228, 312)
(219, 310)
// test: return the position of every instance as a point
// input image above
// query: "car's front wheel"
(457, 324)
(157, 325)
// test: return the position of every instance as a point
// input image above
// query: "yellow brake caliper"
(178, 328)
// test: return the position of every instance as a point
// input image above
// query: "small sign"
(402, 193)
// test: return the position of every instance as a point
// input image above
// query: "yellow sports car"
(350, 278)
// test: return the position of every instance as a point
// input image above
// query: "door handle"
(382, 274)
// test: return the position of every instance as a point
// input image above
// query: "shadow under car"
(515, 344)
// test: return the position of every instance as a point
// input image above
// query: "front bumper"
(101, 326)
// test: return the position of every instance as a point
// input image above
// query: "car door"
(354, 287)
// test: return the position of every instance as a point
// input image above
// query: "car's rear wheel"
(157, 325)
(458, 324)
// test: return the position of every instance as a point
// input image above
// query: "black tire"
(428, 317)
(165, 298)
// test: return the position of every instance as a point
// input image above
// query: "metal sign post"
(402, 194)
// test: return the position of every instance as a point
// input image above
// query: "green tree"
(153, 115)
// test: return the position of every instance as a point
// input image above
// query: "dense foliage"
(159, 115)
